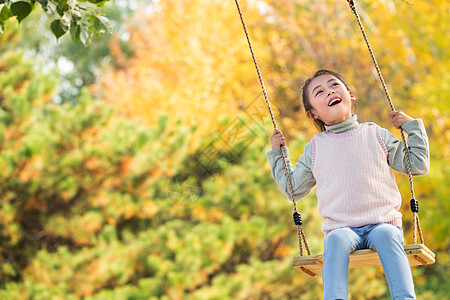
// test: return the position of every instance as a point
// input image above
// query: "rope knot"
(297, 218)
(414, 205)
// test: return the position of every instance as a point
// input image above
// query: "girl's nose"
(330, 92)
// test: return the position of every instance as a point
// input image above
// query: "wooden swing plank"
(311, 265)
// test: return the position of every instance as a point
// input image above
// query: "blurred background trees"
(135, 168)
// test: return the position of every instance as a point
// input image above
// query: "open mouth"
(334, 101)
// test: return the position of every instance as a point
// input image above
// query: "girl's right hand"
(277, 139)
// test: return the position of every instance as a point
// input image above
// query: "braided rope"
(388, 97)
(417, 228)
(300, 232)
(266, 98)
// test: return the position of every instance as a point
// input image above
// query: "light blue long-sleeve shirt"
(302, 178)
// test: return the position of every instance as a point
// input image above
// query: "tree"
(183, 63)
(78, 66)
(80, 18)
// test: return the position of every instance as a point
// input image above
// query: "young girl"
(356, 190)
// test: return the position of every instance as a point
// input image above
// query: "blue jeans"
(387, 239)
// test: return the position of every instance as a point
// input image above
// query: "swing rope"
(414, 203)
(297, 217)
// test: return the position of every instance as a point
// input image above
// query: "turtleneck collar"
(348, 125)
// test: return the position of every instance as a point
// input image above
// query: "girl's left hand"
(398, 118)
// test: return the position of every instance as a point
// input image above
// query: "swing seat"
(311, 265)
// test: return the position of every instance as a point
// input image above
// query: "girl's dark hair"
(307, 104)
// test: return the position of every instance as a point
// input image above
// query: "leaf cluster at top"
(82, 21)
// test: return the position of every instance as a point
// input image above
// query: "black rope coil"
(414, 205)
(297, 218)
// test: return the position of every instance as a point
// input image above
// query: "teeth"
(336, 101)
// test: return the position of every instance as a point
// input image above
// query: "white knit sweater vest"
(355, 185)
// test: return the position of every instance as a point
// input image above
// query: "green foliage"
(59, 28)
(20, 9)
(82, 21)
(79, 67)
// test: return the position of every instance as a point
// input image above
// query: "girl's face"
(331, 101)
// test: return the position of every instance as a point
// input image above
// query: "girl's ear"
(352, 96)
(311, 115)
